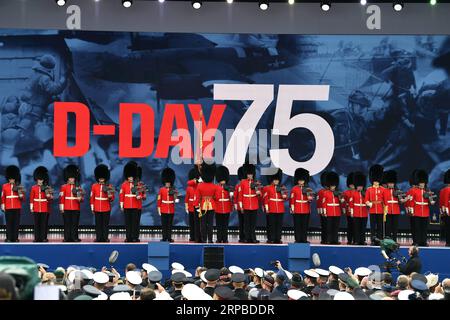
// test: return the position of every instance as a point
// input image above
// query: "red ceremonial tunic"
(223, 202)
(190, 195)
(331, 204)
(67, 200)
(420, 205)
(166, 201)
(273, 200)
(357, 205)
(205, 196)
(39, 202)
(345, 205)
(10, 198)
(236, 197)
(99, 200)
(248, 199)
(375, 197)
(391, 202)
(320, 201)
(444, 200)
(127, 198)
(299, 203)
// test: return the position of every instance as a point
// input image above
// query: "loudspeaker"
(213, 257)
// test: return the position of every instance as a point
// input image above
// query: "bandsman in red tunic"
(13, 194)
(130, 200)
(249, 195)
(41, 196)
(393, 197)
(300, 204)
(375, 201)
(274, 197)
(345, 207)
(422, 198)
(331, 205)
(101, 197)
(320, 209)
(167, 197)
(238, 209)
(444, 205)
(194, 226)
(204, 202)
(358, 209)
(223, 203)
(70, 197)
(142, 189)
(409, 207)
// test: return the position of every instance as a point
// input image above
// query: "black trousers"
(191, 226)
(376, 226)
(323, 229)
(250, 225)
(421, 225)
(350, 235)
(132, 220)
(222, 220)
(206, 226)
(71, 220)
(301, 222)
(412, 226)
(197, 228)
(166, 223)
(12, 217)
(137, 225)
(102, 226)
(241, 226)
(333, 229)
(269, 228)
(359, 230)
(40, 226)
(392, 226)
(446, 220)
(275, 226)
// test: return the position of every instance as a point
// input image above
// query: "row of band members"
(205, 200)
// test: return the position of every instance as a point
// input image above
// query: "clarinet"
(19, 189)
(430, 195)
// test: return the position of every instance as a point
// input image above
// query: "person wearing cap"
(204, 202)
(267, 283)
(258, 275)
(333, 281)
(300, 204)
(357, 208)
(331, 202)
(40, 202)
(223, 203)
(223, 293)
(238, 282)
(71, 195)
(422, 199)
(432, 281)
(11, 202)
(133, 281)
(444, 205)
(100, 280)
(345, 207)
(177, 279)
(374, 199)
(274, 197)
(296, 281)
(166, 203)
(392, 203)
(211, 276)
(130, 200)
(147, 294)
(310, 281)
(414, 263)
(225, 277)
(322, 280)
(238, 209)
(320, 208)
(249, 195)
(194, 229)
(101, 197)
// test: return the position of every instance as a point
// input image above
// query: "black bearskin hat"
(332, 179)
(447, 177)
(102, 171)
(420, 176)
(168, 175)
(130, 170)
(41, 173)
(390, 176)
(194, 173)
(350, 179)
(249, 169)
(13, 172)
(72, 171)
(359, 179)
(222, 174)
(277, 176)
(301, 174)
(376, 173)
(240, 173)
(208, 172)
(323, 178)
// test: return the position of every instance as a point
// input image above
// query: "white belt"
(71, 198)
(224, 199)
(422, 203)
(165, 201)
(10, 197)
(333, 204)
(392, 201)
(130, 195)
(100, 198)
(249, 195)
(40, 200)
(301, 201)
(275, 199)
(360, 204)
(190, 199)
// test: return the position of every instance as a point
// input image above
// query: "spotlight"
(398, 6)
(196, 4)
(433, 2)
(363, 2)
(230, 1)
(161, 1)
(264, 5)
(325, 5)
(291, 1)
(127, 3)
(60, 2)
